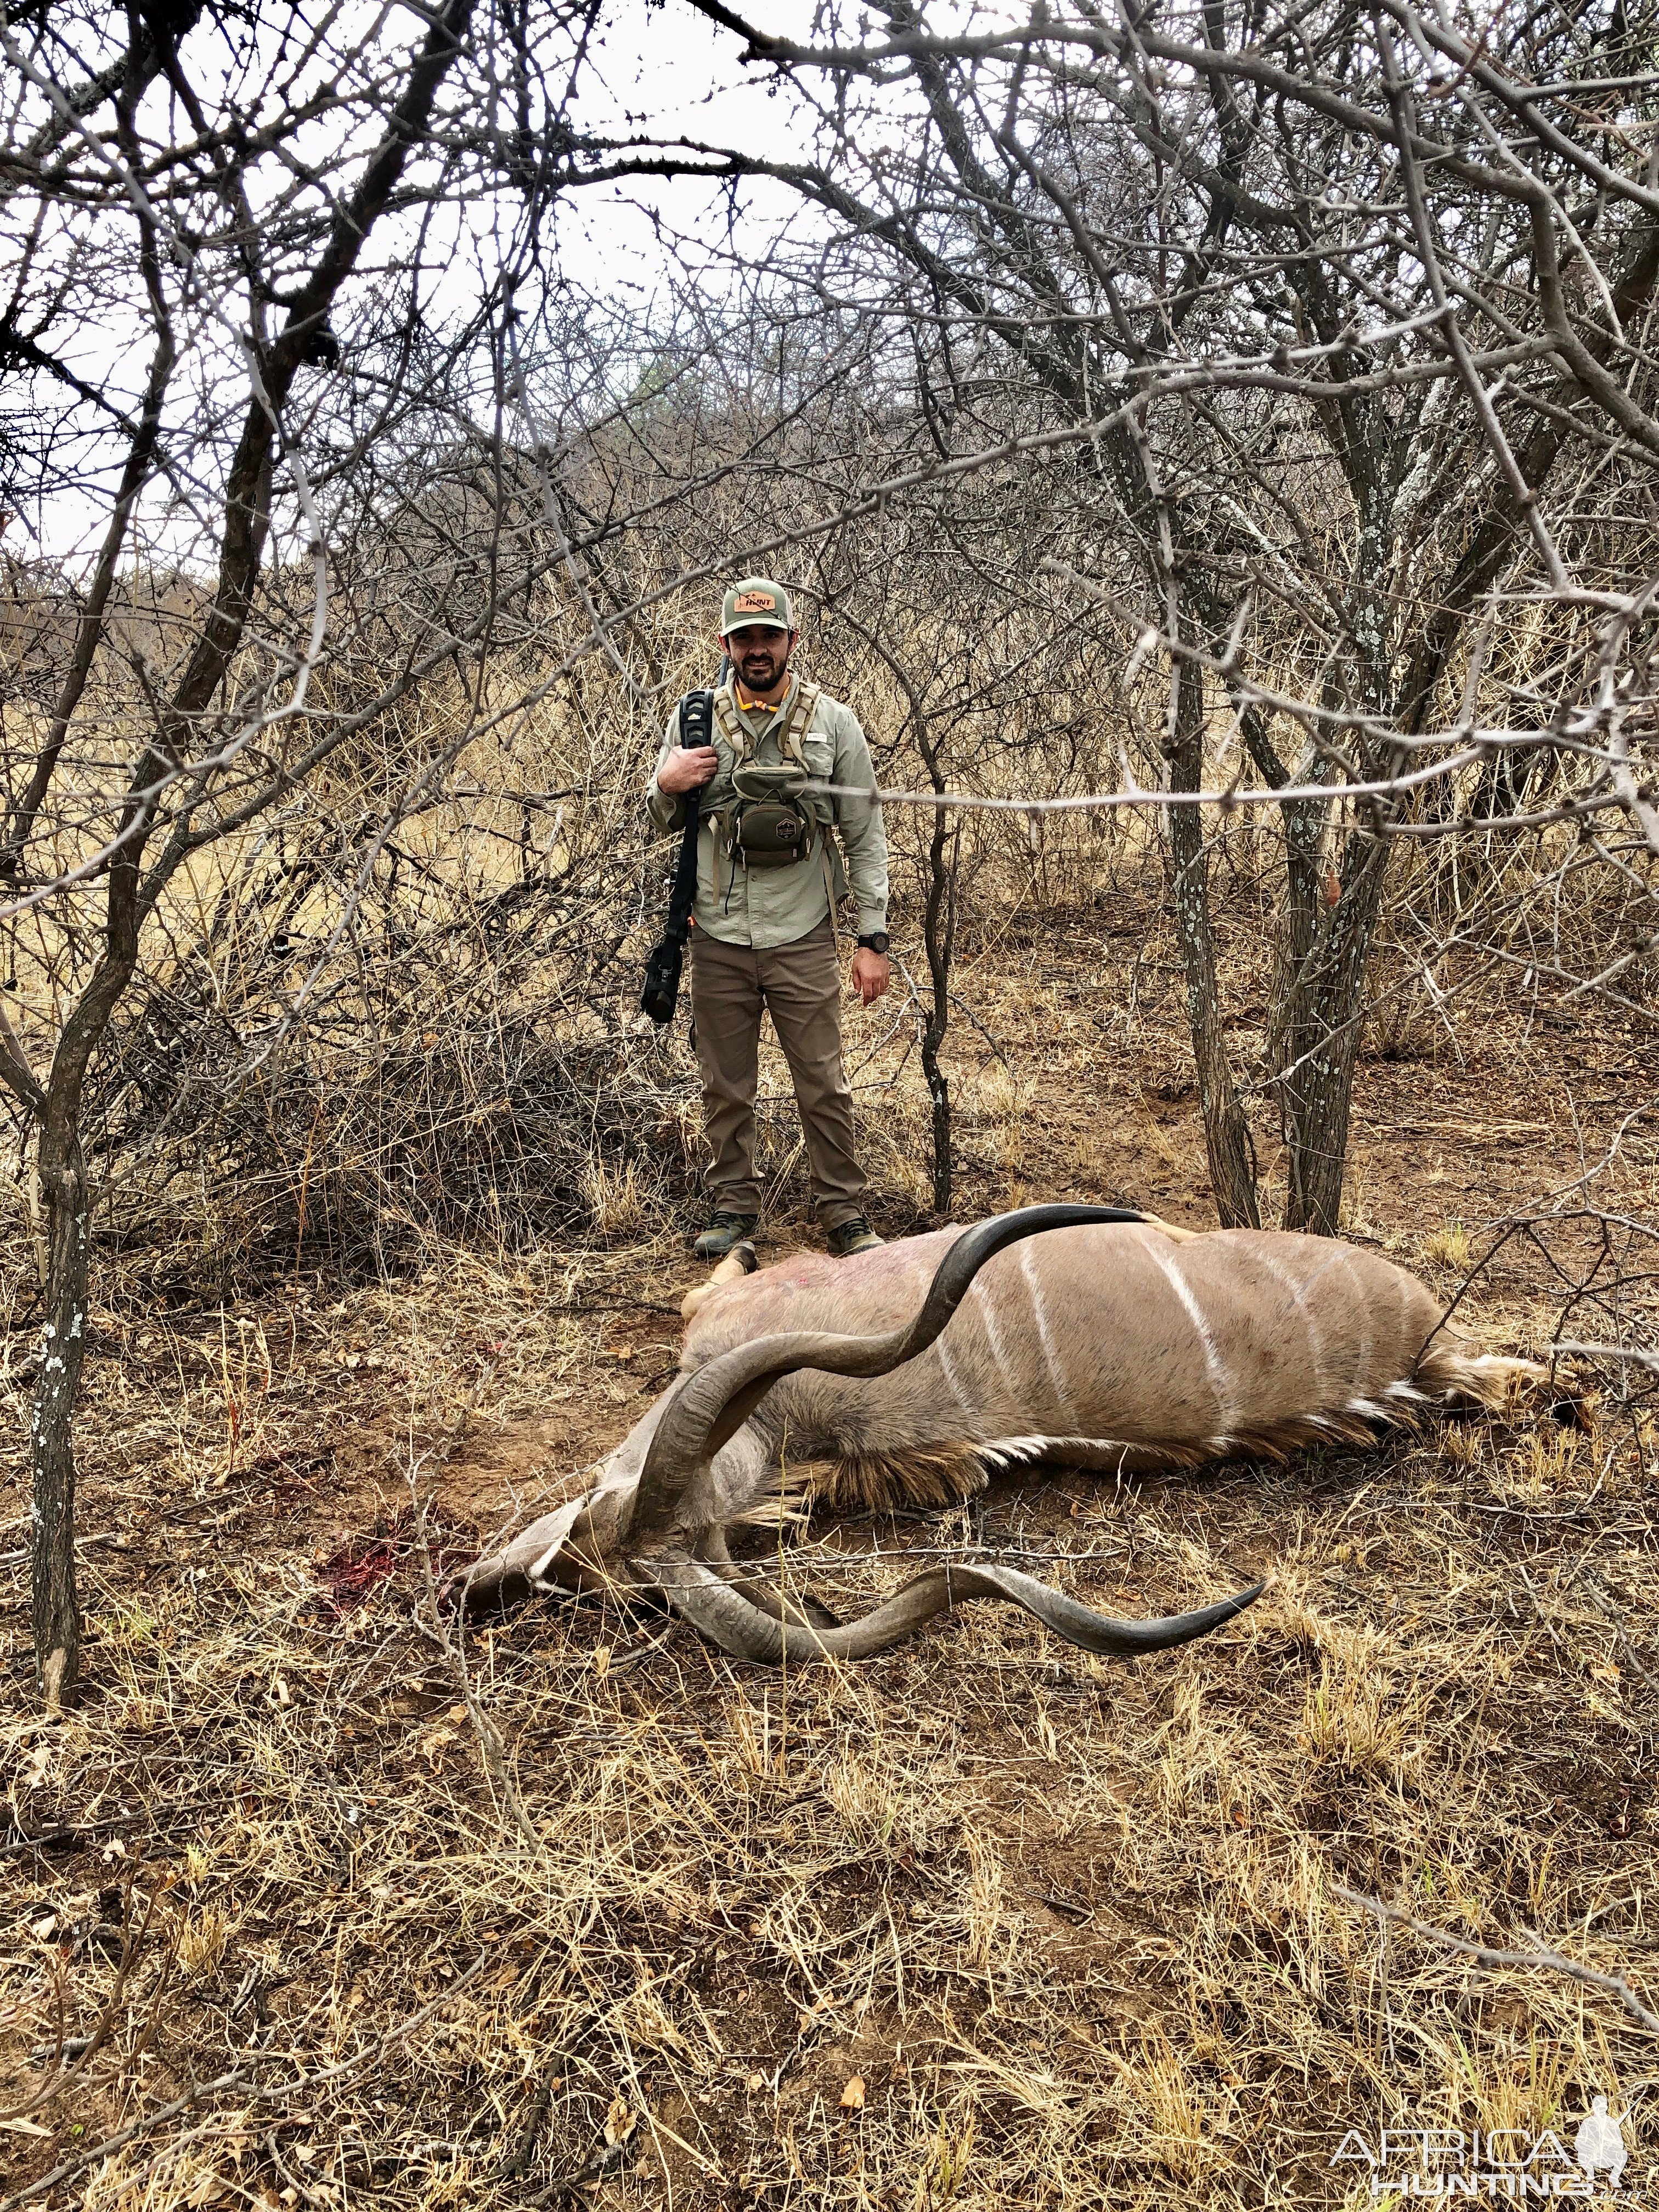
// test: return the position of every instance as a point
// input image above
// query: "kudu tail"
(1448, 1369)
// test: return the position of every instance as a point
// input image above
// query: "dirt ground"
(316, 1901)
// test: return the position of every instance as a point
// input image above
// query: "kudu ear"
(739, 1261)
(1169, 1229)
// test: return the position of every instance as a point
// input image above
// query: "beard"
(760, 670)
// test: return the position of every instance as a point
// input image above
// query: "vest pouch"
(772, 830)
(771, 836)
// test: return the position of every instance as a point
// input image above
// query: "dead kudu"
(1107, 1340)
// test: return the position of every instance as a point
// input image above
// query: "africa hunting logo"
(1508, 2165)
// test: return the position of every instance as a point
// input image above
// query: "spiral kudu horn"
(721, 1609)
(712, 1403)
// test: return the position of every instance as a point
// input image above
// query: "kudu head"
(663, 1535)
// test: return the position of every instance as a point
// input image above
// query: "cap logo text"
(753, 603)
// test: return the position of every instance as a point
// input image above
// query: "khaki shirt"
(769, 907)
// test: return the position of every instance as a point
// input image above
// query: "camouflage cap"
(756, 603)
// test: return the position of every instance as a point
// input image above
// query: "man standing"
(768, 875)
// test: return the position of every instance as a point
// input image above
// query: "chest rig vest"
(772, 819)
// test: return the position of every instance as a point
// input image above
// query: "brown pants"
(801, 985)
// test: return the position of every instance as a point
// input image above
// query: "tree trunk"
(56, 1602)
(938, 935)
(1306, 883)
(1226, 1133)
(1326, 1016)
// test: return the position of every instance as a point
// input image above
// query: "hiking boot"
(853, 1235)
(724, 1231)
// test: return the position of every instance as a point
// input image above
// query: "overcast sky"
(668, 71)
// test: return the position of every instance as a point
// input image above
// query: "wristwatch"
(877, 941)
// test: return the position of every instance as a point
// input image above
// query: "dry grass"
(579, 1912)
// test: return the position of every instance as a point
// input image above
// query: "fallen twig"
(82, 1544)
(1484, 1955)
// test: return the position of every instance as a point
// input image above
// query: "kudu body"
(1110, 1341)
